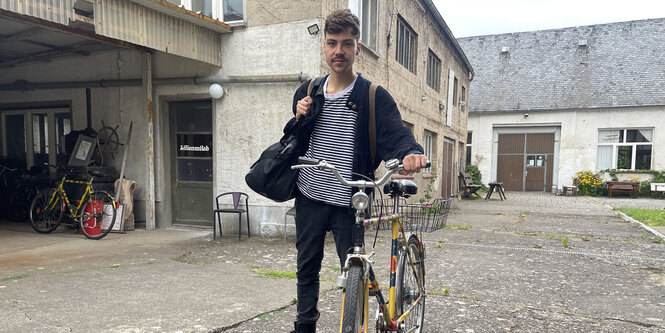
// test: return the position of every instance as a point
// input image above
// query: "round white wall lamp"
(216, 91)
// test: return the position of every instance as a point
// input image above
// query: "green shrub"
(589, 183)
(475, 174)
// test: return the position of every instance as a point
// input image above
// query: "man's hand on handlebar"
(413, 163)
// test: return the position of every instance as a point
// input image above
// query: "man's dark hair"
(340, 20)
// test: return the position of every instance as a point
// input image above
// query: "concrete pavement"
(535, 262)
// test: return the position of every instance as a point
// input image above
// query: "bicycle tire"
(98, 215)
(354, 300)
(406, 286)
(46, 211)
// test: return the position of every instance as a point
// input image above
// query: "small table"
(499, 189)
(569, 188)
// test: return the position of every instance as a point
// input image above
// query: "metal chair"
(224, 206)
(291, 212)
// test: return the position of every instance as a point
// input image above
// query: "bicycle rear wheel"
(354, 300)
(407, 291)
(98, 215)
(46, 211)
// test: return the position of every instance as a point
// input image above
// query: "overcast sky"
(487, 17)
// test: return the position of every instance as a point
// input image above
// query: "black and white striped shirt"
(332, 140)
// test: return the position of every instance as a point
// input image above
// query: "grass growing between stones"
(458, 227)
(565, 241)
(15, 277)
(269, 273)
(439, 292)
(650, 217)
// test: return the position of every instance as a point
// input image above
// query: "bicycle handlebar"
(393, 166)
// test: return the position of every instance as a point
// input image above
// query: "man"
(333, 125)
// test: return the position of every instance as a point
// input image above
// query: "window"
(406, 46)
(224, 10)
(35, 137)
(408, 125)
(462, 99)
(367, 11)
(629, 149)
(469, 137)
(428, 143)
(433, 70)
(455, 91)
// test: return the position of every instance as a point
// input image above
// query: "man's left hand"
(413, 163)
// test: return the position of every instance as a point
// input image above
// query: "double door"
(525, 161)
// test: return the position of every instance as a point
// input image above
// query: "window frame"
(469, 144)
(455, 94)
(433, 71)
(429, 141)
(406, 57)
(217, 10)
(616, 146)
(368, 12)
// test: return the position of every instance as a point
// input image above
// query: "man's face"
(341, 50)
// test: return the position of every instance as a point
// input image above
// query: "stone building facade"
(260, 55)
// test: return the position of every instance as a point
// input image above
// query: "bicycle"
(405, 309)
(94, 213)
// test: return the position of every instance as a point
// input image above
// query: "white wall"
(579, 135)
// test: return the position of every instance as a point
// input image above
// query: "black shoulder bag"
(271, 175)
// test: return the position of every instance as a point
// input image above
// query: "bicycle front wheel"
(410, 285)
(98, 215)
(354, 300)
(46, 211)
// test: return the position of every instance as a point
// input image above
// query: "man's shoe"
(304, 327)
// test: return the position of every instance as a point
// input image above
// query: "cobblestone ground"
(532, 263)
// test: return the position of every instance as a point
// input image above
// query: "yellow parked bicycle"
(405, 309)
(94, 213)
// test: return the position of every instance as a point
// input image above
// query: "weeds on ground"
(269, 273)
(458, 227)
(439, 292)
(650, 217)
(565, 241)
(15, 277)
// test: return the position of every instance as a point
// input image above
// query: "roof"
(441, 24)
(606, 65)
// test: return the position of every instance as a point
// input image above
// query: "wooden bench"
(612, 186)
(467, 187)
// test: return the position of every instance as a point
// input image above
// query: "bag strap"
(309, 87)
(372, 121)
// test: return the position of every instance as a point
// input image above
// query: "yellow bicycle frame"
(372, 283)
(73, 211)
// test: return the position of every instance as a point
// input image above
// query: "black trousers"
(313, 220)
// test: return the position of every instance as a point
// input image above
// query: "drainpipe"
(147, 83)
(23, 85)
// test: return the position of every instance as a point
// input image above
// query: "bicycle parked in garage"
(94, 213)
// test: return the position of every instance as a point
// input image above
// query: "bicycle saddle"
(95, 173)
(401, 187)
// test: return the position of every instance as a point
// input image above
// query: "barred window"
(433, 70)
(406, 45)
